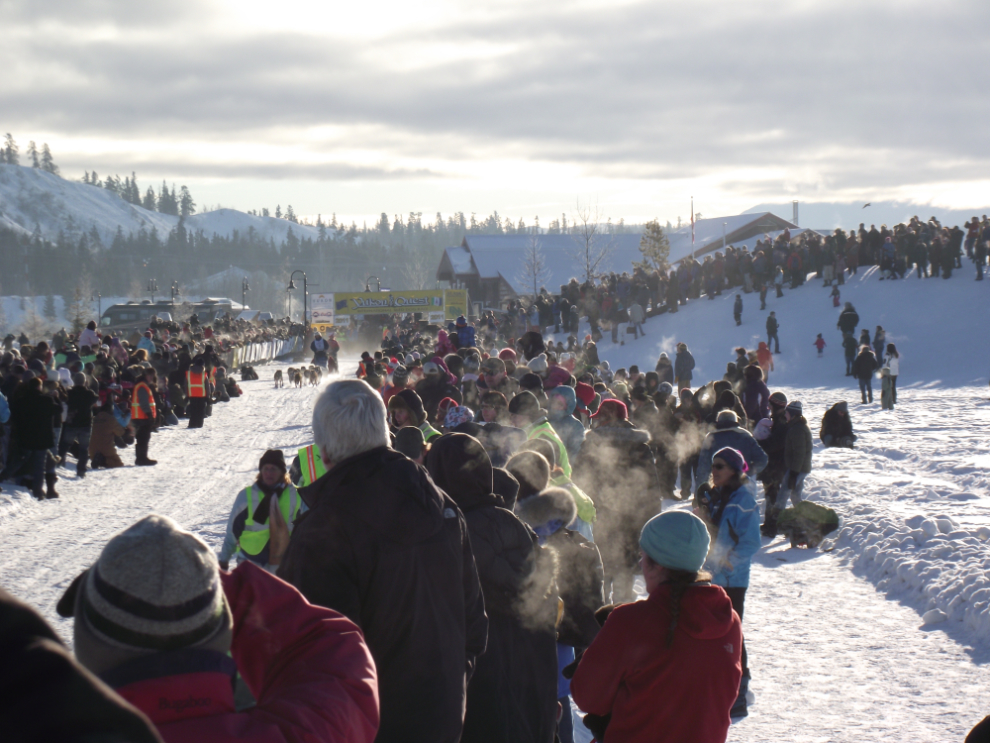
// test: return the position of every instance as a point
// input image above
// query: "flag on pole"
(692, 220)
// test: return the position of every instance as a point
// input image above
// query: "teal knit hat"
(677, 540)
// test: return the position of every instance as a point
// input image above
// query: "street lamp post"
(152, 287)
(367, 283)
(292, 285)
(244, 290)
(174, 289)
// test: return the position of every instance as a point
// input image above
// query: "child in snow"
(835, 295)
(886, 390)
(819, 344)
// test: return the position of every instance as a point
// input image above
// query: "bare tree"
(534, 270)
(592, 244)
(419, 269)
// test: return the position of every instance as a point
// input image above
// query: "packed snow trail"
(199, 471)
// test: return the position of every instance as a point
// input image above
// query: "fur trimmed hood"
(552, 504)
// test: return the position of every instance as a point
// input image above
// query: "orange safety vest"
(196, 383)
(137, 412)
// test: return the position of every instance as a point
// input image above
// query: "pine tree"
(654, 246)
(150, 202)
(291, 215)
(10, 150)
(49, 311)
(163, 198)
(79, 312)
(187, 207)
(32, 151)
(264, 212)
(278, 211)
(47, 163)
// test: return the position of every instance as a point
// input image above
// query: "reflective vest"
(585, 506)
(429, 432)
(197, 384)
(543, 430)
(311, 465)
(255, 535)
(137, 412)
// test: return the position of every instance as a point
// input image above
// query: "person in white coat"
(892, 360)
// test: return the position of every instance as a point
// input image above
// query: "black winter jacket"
(80, 403)
(838, 426)
(31, 414)
(798, 445)
(864, 365)
(617, 468)
(512, 697)
(386, 547)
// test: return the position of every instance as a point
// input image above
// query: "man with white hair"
(384, 546)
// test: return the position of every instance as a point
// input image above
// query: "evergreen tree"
(264, 212)
(278, 211)
(150, 202)
(654, 246)
(187, 207)
(291, 215)
(47, 163)
(49, 310)
(10, 150)
(163, 199)
(32, 151)
(79, 311)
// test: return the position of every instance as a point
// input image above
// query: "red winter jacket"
(307, 666)
(657, 694)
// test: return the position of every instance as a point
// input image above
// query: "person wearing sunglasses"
(729, 507)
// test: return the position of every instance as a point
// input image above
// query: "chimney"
(795, 217)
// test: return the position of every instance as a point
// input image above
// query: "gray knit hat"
(154, 588)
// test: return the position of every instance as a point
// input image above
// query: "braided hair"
(680, 581)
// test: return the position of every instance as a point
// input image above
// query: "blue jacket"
(737, 539)
(466, 337)
(737, 438)
(4, 409)
(569, 428)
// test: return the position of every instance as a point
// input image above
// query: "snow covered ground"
(838, 646)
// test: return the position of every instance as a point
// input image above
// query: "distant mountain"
(829, 215)
(31, 199)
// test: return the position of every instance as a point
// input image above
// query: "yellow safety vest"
(585, 506)
(544, 430)
(429, 432)
(311, 465)
(254, 538)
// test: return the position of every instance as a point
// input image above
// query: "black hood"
(460, 466)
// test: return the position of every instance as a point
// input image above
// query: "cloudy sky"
(521, 106)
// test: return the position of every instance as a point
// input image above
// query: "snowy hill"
(32, 199)
(931, 321)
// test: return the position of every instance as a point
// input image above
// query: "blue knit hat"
(676, 539)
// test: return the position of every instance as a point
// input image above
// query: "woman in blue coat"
(734, 519)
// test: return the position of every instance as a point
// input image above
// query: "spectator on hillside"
(836, 427)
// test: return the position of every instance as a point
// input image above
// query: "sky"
(528, 108)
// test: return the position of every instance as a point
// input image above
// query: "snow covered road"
(46, 544)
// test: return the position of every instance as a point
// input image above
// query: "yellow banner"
(455, 303)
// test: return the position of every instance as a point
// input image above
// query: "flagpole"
(692, 226)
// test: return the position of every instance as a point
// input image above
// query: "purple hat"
(733, 458)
